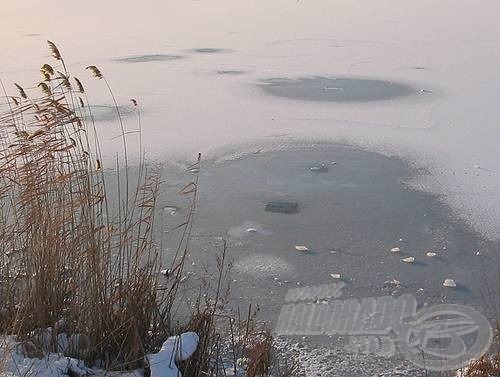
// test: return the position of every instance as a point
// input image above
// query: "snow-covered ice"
(448, 127)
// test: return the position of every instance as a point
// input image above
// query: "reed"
(79, 262)
(71, 266)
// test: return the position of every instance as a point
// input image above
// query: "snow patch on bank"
(14, 363)
(175, 348)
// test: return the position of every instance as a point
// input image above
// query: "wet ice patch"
(282, 207)
(332, 89)
(148, 58)
(209, 50)
(263, 265)
(106, 113)
(229, 72)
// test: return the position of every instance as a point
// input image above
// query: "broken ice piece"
(282, 207)
(165, 272)
(430, 254)
(395, 250)
(401, 240)
(336, 276)
(320, 168)
(171, 210)
(252, 230)
(449, 283)
(301, 248)
(408, 260)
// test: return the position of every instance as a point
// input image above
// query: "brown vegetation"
(78, 260)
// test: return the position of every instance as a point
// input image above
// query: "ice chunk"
(395, 250)
(430, 254)
(252, 230)
(320, 168)
(336, 276)
(282, 207)
(449, 283)
(408, 260)
(171, 210)
(301, 248)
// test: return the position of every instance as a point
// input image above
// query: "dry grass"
(69, 261)
(484, 367)
(78, 260)
(487, 365)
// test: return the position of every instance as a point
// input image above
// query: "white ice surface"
(448, 47)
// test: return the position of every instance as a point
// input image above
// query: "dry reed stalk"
(73, 262)
(66, 262)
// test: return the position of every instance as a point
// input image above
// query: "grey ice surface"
(332, 89)
(208, 50)
(106, 113)
(148, 58)
(349, 219)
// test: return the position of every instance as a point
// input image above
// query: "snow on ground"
(175, 348)
(14, 363)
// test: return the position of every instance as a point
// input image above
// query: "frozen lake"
(410, 89)
(353, 208)
(195, 68)
(349, 216)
